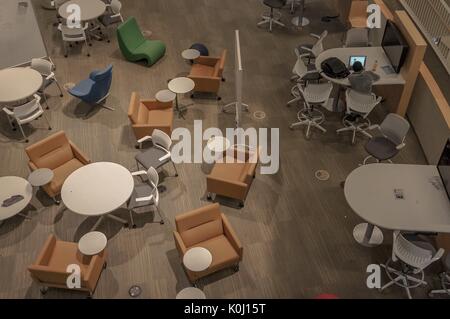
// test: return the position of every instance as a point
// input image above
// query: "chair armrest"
(401, 146)
(144, 199)
(206, 83)
(50, 76)
(181, 247)
(79, 154)
(139, 173)
(207, 60)
(144, 139)
(233, 189)
(315, 35)
(155, 105)
(306, 49)
(231, 236)
(32, 166)
(94, 271)
(374, 127)
(8, 111)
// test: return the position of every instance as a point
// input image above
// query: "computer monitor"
(444, 167)
(395, 46)
(357, 58)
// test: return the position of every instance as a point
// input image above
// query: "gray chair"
(357, 38)
(392, 139)
(112, 15)
(45, 68)
(159, 154)
(271, 18)
(145, 194)
(312, 51)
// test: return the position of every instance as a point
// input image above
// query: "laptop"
(357, 58)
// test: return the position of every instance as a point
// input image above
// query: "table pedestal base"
(102, 218)
(368, 235)
(300, 22)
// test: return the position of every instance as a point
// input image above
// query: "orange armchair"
(357, 17)
(148, 115)
(207, 73)
(50, 267)
(231, 177)
(59, 154)
(207, 227)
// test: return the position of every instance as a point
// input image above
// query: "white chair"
(57, 4)
(414, 256)
(311, 52)
(112, 16)
(73, 34)
(303, 74)
(359, 106)
(313, 95)
(45, 68)
(26, 113)
(145, 194)
(159, 154)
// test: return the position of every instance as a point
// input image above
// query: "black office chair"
(271, 18)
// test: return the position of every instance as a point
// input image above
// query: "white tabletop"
(218, 144)
(40, 177)
(165, 96)
(97, 189)
(10, 186)
(190, 54)
(370, 192)
(90, 9)
(181, 85)
(373, 54)
(18, 84)
(191, 293)
(197, 259)
(92, 243)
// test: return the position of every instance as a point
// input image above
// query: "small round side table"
(181, 85)
(40, 177)
(191, 293)
(190, 54)
(92, 243)
(218, 144)
(197, 259)
(165, 96)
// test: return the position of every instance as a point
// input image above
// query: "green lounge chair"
(135, 47)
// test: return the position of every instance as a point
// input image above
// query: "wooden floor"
(296, 231)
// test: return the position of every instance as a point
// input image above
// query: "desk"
(10, 186)
(18, 84)
(370, 192)
(90, 9)
(97, 190)
(19, 34)
(373, 54)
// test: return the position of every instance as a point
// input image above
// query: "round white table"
(191, 293)
(197, 259)
(18, 84)
(165, 96)
(11, 186)
(218, 144)
(98, 189)
(92, 243)
(190, 54)
(181, 85)
(89, 9)
(41, 177)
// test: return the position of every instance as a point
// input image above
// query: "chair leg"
(45, 100)
(23, 134)
(176, 171)
(87, 46)
(160, 216)
(59, 87)
(48, 122)
(132, 224)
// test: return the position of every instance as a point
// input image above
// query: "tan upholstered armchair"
(147, 115)
(207, 73)
(233, 177)
(59, 154)
(50, 267)
(357, 17)
(207, 227)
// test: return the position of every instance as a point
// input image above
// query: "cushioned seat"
(60, 155)
(202, 70)
(207, 227)
(135, 47)
(151, 158)
(276, 4)
(381, 148)
(147, 115)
